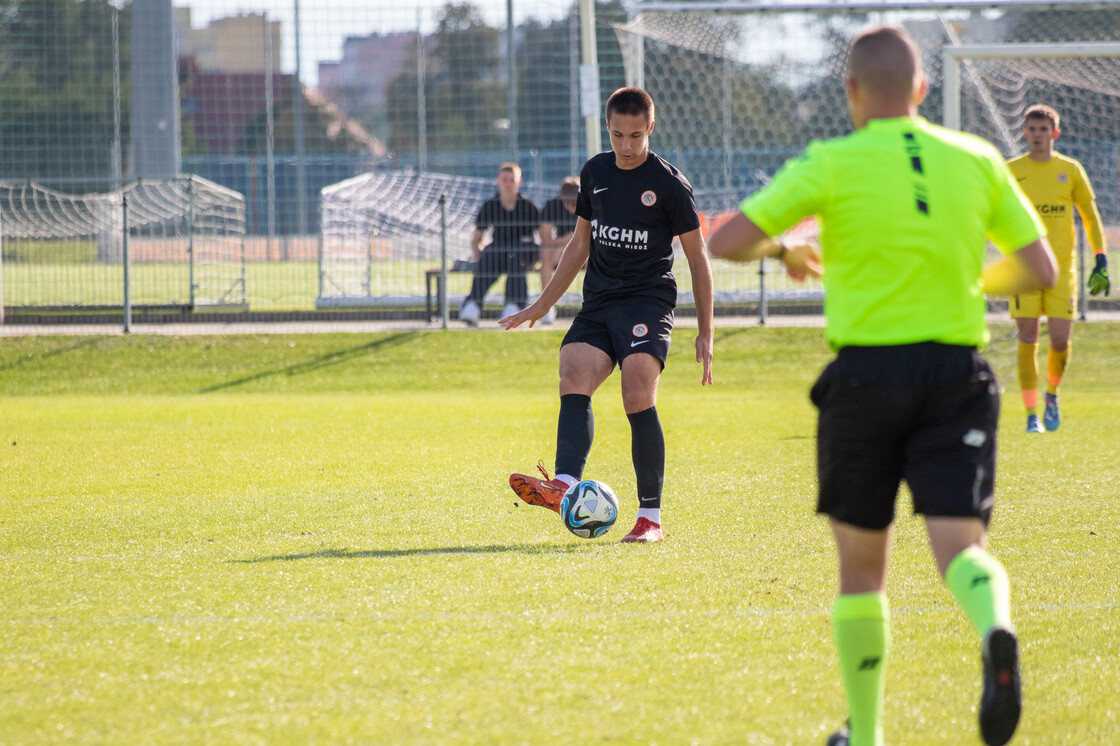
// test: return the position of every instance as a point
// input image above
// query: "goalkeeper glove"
(1098, 278)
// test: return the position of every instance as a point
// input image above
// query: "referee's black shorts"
(926, 413)
(624, 327)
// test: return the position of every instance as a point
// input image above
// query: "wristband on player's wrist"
(782, 251)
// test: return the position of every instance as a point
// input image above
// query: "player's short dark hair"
(1042, 111)
(630, 102)
(569, 188)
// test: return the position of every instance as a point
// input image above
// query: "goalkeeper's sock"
(575, 430)
(979, 583)
(1056, 363)
(861, 628)
(1028, 375)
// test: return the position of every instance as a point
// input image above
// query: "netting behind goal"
(742, 90)
(381, 231)
(185, 240)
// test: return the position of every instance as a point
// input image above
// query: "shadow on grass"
(324, 361)
(391, 553)
(62, 350)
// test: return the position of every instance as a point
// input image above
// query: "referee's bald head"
(885, 62)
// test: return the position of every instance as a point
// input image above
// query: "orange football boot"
(544, 493)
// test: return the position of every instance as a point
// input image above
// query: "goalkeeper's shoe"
(1002, 700)
(1051, 416)
(1034, 425)
(1098, 279)
(544, 493)
(645, 531)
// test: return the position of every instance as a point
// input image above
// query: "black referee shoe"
(1001, 701)
(841, 737)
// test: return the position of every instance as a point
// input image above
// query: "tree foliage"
(56, 88)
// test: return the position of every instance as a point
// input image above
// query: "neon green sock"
(861, 627)
(979, 583)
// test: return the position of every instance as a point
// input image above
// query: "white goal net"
(382, 231)
(742, 87)
(184, 238)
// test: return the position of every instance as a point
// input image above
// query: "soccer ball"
(589, 509)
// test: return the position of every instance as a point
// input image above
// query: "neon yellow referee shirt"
(905, 209)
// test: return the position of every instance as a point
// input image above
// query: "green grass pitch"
(310, 539)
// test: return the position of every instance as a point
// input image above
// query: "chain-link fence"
(279, 101)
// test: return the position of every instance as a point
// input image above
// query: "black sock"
(574, 432)
(647, 448)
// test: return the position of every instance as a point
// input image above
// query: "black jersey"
(634, 215)
(554, 212)
(512, 228)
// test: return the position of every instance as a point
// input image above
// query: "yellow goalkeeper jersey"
(1055, 188)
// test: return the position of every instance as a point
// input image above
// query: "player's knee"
(637, 398)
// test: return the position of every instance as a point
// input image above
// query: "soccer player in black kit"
(631, 205)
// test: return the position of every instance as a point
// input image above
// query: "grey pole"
(421, 103)
(117, 159)
(301, 145)
(1083, 298)
(270, 137)
(126, 264)
(511, 70)
(573, 92)
(589, 78)
(762, 292)
(190, 237)
(443, 259)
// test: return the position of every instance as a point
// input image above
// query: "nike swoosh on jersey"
(600, 189)
(638, 342)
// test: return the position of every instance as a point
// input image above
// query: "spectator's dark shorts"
(926, 413)
(625, 327)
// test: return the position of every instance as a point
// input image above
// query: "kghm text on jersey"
(632, 239)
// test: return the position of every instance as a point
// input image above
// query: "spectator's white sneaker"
(470, 313)
(549, 318)
(510, 309)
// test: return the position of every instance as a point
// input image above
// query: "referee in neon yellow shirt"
(905, 209)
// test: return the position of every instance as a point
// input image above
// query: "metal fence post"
(190, 240)
(443, 259)
(126, 263)
(762, 292)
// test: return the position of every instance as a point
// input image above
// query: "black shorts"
(926, 413)
(624, 327)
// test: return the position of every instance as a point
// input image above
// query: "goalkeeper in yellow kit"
(1055, 184)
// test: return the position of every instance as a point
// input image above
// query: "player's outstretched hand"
(530, 314)
(1098, 278)
(802, 260)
